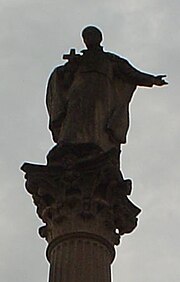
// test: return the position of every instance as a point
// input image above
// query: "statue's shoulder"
(116, 58)
(59, 70)
(59, 73)
(63, 75)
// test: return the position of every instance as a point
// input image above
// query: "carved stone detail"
(80, 194)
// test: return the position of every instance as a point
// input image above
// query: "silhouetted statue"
(88, 97)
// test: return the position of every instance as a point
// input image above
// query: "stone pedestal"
(83, 200)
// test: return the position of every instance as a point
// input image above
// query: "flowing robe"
(88, 99)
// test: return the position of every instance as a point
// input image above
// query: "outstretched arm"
(137, 77)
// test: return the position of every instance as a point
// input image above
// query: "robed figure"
(88, 97)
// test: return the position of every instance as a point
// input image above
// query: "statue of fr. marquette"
(88, 97)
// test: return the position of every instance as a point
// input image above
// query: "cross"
(72, 56)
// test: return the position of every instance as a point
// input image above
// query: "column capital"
(85, 195)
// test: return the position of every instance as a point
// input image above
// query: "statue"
(88, 97)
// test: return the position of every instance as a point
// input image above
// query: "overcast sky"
(33, 36)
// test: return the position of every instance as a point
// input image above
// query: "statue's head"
(92, 37)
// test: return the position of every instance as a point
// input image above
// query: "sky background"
(34, 34)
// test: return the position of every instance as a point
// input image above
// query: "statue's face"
(92, 37)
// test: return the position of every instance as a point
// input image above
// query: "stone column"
(85, 208)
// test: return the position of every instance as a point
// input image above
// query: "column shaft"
(80, 259)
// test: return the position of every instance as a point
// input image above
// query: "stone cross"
(72, 56)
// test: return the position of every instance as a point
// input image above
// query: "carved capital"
(89, 196)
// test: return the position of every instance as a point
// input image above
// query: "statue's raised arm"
(133, 76)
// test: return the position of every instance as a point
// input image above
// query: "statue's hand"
(159, 81)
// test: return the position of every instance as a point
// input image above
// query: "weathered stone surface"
(81, 195)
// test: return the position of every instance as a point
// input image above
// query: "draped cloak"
(88, 99)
